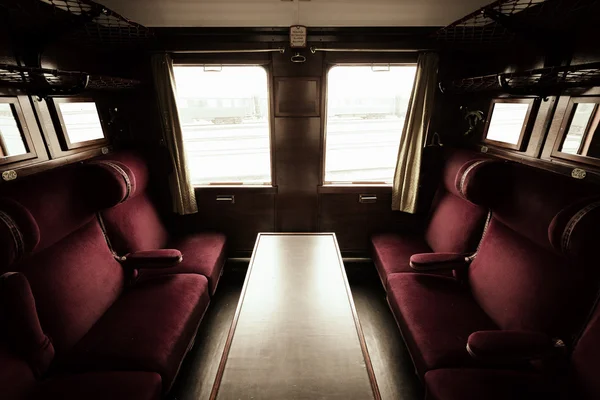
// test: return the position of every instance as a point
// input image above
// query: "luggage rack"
(81, 21)
(501, 21)
(539, 82)
(46, 82)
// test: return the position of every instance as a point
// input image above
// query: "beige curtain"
(182, 192)
(408, 170)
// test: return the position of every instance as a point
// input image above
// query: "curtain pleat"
(407, 177)
(182, 192)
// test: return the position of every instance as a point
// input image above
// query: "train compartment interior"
(299, 199)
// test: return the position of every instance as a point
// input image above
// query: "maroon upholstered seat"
(100, 386)
(518, 279)
(436, 316)
(478, 384)
(455, 224)
(155, 319)
(576, 379)
(83, 302)
(135, 224)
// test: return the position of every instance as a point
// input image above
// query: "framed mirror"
(579, 137)
(508, 123)
(15, 140)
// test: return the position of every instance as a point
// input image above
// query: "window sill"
(355, 189)
(264, 189)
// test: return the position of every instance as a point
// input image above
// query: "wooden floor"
(391, 362)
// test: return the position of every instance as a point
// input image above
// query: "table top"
(295, 333)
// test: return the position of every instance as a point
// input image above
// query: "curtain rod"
(315, 49)
(277, 50)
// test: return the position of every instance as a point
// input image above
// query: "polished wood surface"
(296, 333)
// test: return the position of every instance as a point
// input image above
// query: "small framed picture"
(297, 36)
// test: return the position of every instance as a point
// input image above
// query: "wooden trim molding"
(525, 130)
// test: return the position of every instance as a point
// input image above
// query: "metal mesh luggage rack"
(542, 81)
(501, 21)
(51, 82)
(81, 21)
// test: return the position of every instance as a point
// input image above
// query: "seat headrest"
(134, 165)
(471, 180)
(116, 179)
(19, 233)
(574, 231)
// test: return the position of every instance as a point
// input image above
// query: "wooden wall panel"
(297, 161)
(354, 222)
(252, 212)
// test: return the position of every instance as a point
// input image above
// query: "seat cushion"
(101, 386)
(478, 384)
(150, 328)
(436, 316)
(203, 253)
(392, 251)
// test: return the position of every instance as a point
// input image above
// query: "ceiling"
(277, 13)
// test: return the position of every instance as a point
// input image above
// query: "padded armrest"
(164, 258)
(512, 346)
(438, 261)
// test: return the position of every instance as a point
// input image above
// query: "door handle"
(367, 198)
(226, 198)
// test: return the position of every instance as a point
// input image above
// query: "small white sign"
(297, 36)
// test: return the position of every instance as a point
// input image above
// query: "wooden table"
(295, 333)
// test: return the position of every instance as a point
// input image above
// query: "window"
(579, 139)
(80, 122)
(366, 109)
(508, 122)
(224, 116)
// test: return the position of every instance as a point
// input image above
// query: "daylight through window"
(224, 116)
(366, 109)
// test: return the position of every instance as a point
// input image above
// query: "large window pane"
(366, 109)
(224, 115)
(81, 121)
(12, 142)
(578, 129)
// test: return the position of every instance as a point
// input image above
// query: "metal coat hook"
(298, 58)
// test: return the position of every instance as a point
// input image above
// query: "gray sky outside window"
(224, 116)
(366, 110)
(13, 143)
(81, 121)
(507, 122)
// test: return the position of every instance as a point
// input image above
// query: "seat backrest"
(455, 224)
(521, 277)
(585, 361)
(73, 276)
(134, 224)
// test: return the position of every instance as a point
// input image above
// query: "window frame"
(62, 133)
(193, 60)
(324, 106)
(565, 125)
(525, 130)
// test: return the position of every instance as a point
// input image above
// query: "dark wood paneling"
(354, 222)
(252, 212)
(297, 97)
(297, 161)
(283, 66)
